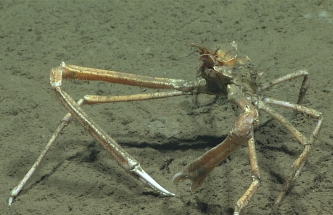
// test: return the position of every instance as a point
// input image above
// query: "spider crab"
(221, 73)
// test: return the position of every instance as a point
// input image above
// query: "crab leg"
(307, 143)
(18, 188)
(182, 87)
(198, 170)
(89, 99)
(123, 158)
(244, 200)
(299, 73)
(84, 73)
(93, 99)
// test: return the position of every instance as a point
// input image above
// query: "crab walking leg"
(299, 73)
(296, 107)
(247, 196)
(18, 188)
(198, 170)
(122, 157)
(88, 99)
(93, 99)
(306, 143)
(84, 73)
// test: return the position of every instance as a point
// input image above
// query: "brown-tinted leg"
(247, 196)
(299, 73)
(305, 142)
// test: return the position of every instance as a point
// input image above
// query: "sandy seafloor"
(150, 37)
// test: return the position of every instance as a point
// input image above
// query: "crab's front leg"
(242, 132)
(125, 160)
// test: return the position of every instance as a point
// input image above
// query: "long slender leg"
(124, 159)
(93, 99)
(88, 99)
(305, 142)
(85, 73)
(18, 188)
(247, 196)
(296, 107)
(299, 73)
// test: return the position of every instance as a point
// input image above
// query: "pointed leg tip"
(179, 177)
(171, 194)
(196, 182)
(167, 193)
(10, 201)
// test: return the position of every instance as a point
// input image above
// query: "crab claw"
(193, 173)
(198, 170)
